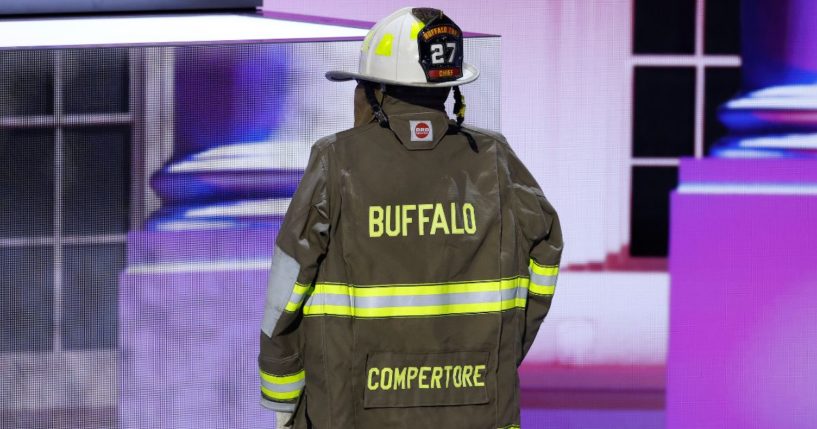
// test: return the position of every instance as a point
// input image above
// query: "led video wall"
(142, 190)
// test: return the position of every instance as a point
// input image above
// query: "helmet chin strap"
(379, 114)
(459, 111)
(459, 106)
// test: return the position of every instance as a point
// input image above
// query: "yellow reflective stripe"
(381, 285)
(405, 290)
(281, 396)
(415, 29)
(429, 310)
(544, 270)
(299, 289)
(283, 379)
(542, 273)
(541, 290)
(384, 46)
(348, 300)
(282, 387)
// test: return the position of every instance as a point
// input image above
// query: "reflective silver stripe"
(521, 292)
(298, 292)
(417, 300)
(282, 276)
(542, 280)
(296, 298)
(283, 388)
(281, 407)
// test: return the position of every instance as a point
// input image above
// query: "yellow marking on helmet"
(366, 42)
(384, 47)
(415, 29)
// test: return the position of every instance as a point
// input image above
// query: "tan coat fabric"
(411, 274)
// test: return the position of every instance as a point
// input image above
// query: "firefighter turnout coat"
(410, 276)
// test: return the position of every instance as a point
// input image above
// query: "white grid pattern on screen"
(700, 61)
(58, 122)
(76, 377)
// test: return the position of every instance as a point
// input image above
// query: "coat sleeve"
(301, 244)
(538, 223)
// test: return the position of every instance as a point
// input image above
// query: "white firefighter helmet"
(419, 47)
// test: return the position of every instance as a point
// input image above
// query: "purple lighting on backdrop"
(777, 111)
(226, 170)
(226, 96)
(780, 351)
(743, 329)
(778, 41)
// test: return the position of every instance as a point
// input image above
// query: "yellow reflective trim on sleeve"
(297, 289)
(300, 288)
(384, 46)
(544, 270)
(541, 290)
(283, 379)
(281, 396)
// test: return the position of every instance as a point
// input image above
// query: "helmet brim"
(469, 74)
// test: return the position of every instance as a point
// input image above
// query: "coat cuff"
(281, 407)
(281, 389)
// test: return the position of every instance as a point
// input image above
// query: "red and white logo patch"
(421, 131)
